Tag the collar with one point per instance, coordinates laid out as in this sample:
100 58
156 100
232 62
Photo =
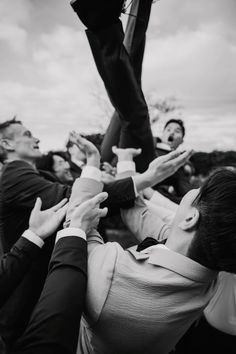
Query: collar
160 255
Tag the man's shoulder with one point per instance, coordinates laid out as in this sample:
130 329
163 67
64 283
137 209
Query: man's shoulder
15 171
16 165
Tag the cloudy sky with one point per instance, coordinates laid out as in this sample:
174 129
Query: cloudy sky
48 78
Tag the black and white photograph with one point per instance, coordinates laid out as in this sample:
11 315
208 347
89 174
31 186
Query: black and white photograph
117 177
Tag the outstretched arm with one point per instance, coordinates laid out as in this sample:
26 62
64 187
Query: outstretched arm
54 325
15 264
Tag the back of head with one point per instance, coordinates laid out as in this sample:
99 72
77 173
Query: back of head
4 127
6 133
214 244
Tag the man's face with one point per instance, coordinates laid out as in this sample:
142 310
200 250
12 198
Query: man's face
172 135
23 143
61 169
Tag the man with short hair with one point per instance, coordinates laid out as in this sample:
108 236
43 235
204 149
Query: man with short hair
173 134
177 185
146 300
21 184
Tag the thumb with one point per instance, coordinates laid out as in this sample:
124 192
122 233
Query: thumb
103 212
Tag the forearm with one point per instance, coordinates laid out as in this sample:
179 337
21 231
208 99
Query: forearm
14 265
54 325
143 223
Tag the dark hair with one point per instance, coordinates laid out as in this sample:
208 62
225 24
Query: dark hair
8 123
46 161
214 244
177 121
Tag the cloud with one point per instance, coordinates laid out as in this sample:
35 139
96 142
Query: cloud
14 36
48 76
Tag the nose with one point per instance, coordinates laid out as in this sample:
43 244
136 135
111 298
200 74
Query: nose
67 165
36 140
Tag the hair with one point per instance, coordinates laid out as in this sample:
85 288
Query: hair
46 161
177 121
7 124
214 244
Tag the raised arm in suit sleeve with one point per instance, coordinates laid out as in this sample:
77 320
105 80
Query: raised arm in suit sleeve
54 325
14 265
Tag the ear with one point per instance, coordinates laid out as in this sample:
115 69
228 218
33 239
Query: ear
6 144
190 221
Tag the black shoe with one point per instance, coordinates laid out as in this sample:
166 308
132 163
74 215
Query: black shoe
97 14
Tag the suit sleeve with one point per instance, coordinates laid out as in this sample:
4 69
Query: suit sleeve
22 185
121 194
54 324
14 265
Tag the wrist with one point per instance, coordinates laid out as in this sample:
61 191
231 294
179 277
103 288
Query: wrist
142 181
94 160
78 225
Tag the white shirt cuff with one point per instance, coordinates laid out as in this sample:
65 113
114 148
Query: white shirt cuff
71 231
135 188
124 166
32 237
92 173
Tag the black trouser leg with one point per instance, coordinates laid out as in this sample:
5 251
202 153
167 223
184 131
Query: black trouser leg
115 68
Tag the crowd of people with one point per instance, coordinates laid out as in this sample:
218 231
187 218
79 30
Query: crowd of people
64 288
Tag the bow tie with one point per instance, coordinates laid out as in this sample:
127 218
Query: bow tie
148 242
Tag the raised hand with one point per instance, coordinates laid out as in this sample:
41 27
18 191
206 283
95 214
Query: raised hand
126 154
161 168
45 222
164 166
87 215
88 148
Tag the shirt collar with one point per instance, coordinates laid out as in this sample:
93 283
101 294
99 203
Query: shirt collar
160 255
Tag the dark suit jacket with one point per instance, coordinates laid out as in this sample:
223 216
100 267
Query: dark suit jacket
21 184
54 324
14 265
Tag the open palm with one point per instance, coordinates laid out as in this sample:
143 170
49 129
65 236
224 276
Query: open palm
45 222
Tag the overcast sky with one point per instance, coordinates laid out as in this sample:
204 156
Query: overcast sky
49 80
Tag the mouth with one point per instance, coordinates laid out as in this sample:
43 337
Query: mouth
36 147
171 139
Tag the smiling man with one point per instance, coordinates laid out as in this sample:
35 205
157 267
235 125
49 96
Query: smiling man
21 184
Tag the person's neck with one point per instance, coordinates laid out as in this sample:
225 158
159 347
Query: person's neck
17 158
179 241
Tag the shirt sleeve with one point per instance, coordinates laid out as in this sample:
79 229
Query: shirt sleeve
92 173
32 237
71 231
